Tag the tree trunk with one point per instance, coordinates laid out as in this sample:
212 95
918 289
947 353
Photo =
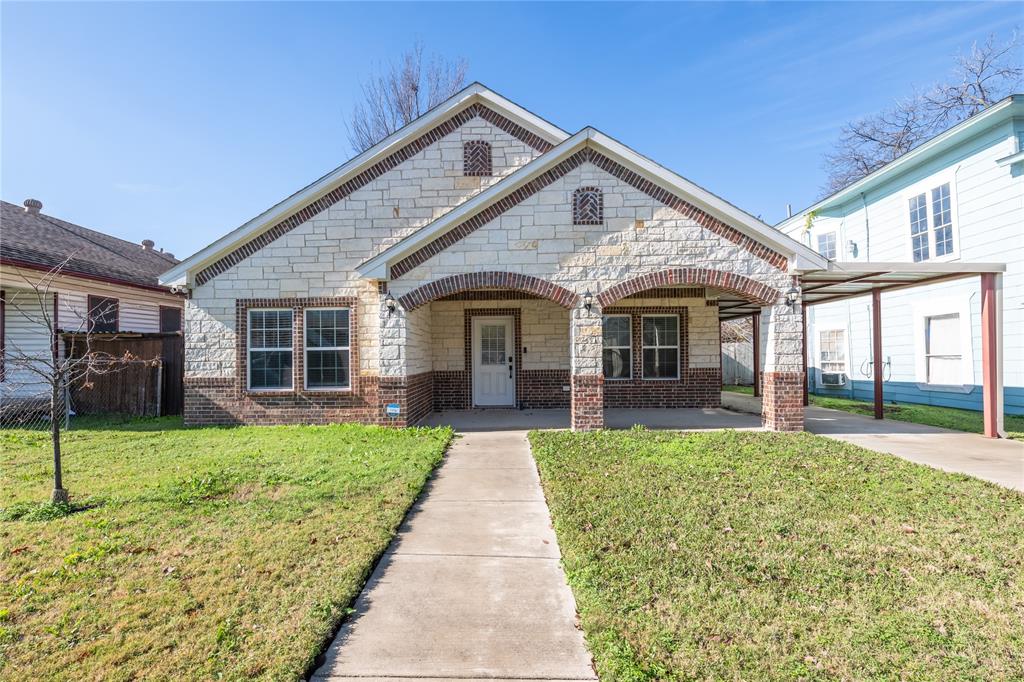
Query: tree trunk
59 496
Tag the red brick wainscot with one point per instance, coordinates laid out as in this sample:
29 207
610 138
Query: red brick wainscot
587 410
782 396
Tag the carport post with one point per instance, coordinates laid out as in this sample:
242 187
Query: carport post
803 353
876 347
755 324
991 355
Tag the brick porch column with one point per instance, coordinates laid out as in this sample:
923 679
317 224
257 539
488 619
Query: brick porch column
587 381
782 388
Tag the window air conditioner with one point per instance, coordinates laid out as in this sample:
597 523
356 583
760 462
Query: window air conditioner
833 379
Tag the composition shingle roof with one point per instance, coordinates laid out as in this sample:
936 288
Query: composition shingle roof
45 241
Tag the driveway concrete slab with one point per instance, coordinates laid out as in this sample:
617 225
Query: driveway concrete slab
472 586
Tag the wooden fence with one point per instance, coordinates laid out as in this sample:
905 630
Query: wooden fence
140 388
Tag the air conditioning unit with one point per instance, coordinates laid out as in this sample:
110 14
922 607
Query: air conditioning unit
833 379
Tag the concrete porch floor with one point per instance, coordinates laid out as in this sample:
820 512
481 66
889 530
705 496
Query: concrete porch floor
682 419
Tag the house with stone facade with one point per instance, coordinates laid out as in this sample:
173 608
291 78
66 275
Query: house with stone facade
483 257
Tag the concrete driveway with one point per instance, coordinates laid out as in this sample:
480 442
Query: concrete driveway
998 460
472 587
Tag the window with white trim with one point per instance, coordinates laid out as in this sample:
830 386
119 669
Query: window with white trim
943 355
832 350
931 224
660 337
270 349
618 347
328 349
827 245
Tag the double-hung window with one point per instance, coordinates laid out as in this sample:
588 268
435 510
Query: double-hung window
827 245
270 349
328 349
832 350
618 347
942 349
931 223
660 336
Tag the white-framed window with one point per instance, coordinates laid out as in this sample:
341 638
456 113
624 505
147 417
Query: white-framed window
827 245
832 350
932 228
270 349
660 337
327 341
618 346
943 354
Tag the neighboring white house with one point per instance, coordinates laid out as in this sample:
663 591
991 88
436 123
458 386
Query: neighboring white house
104 285
958 197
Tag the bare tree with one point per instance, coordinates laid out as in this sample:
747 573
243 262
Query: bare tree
37 377
981 78
401 93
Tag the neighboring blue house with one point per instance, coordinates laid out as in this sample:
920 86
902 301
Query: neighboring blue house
959 196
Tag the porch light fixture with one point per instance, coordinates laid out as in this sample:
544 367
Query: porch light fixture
588 300
389 301
792 295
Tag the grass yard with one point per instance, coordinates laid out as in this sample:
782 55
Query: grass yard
744 556
943 417
217 553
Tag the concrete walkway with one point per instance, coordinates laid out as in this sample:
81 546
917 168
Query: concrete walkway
471 588
998 460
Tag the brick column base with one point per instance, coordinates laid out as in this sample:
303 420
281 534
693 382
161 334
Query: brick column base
782 401
587 404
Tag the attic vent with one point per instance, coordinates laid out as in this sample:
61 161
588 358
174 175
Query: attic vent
33 206
148 244
476 158
587 206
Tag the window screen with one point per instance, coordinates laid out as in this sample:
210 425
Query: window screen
103 314
942 348
270 349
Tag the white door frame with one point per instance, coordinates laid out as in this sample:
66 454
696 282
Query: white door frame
508 371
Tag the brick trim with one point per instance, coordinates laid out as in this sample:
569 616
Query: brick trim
782 398
586 409
455 284
491 295
298 307
718 279
669 292
386 164
492 211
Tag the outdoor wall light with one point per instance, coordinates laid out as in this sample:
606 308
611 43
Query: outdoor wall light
588 300
389 301
792 295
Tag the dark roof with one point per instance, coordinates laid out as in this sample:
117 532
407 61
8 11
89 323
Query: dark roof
45 241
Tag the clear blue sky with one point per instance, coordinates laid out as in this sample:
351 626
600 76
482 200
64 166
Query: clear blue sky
178 122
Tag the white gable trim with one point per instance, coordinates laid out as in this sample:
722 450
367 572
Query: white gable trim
801 257
475 93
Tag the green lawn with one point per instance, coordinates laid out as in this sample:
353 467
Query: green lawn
217 553
745 556
944 417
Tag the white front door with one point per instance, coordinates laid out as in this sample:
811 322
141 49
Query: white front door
493 357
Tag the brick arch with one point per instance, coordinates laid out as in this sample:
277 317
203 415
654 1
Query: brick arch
456 284
745 287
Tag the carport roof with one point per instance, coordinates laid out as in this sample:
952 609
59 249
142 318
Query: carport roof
849 280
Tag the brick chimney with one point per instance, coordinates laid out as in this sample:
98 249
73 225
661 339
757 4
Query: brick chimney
33 206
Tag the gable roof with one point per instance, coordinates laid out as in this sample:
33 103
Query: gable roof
363 168
40 241
711 211
1005 109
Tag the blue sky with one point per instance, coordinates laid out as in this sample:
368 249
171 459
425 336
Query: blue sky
178 122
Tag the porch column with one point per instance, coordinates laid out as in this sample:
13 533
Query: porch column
876 351
587 380
991 354
782 406
755 321
392 356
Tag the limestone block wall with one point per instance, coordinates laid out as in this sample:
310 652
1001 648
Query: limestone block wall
319 257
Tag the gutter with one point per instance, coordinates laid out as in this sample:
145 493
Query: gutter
13 262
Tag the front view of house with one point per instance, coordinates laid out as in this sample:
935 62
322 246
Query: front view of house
482 257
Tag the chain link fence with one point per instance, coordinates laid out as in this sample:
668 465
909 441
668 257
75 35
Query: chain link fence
135 388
